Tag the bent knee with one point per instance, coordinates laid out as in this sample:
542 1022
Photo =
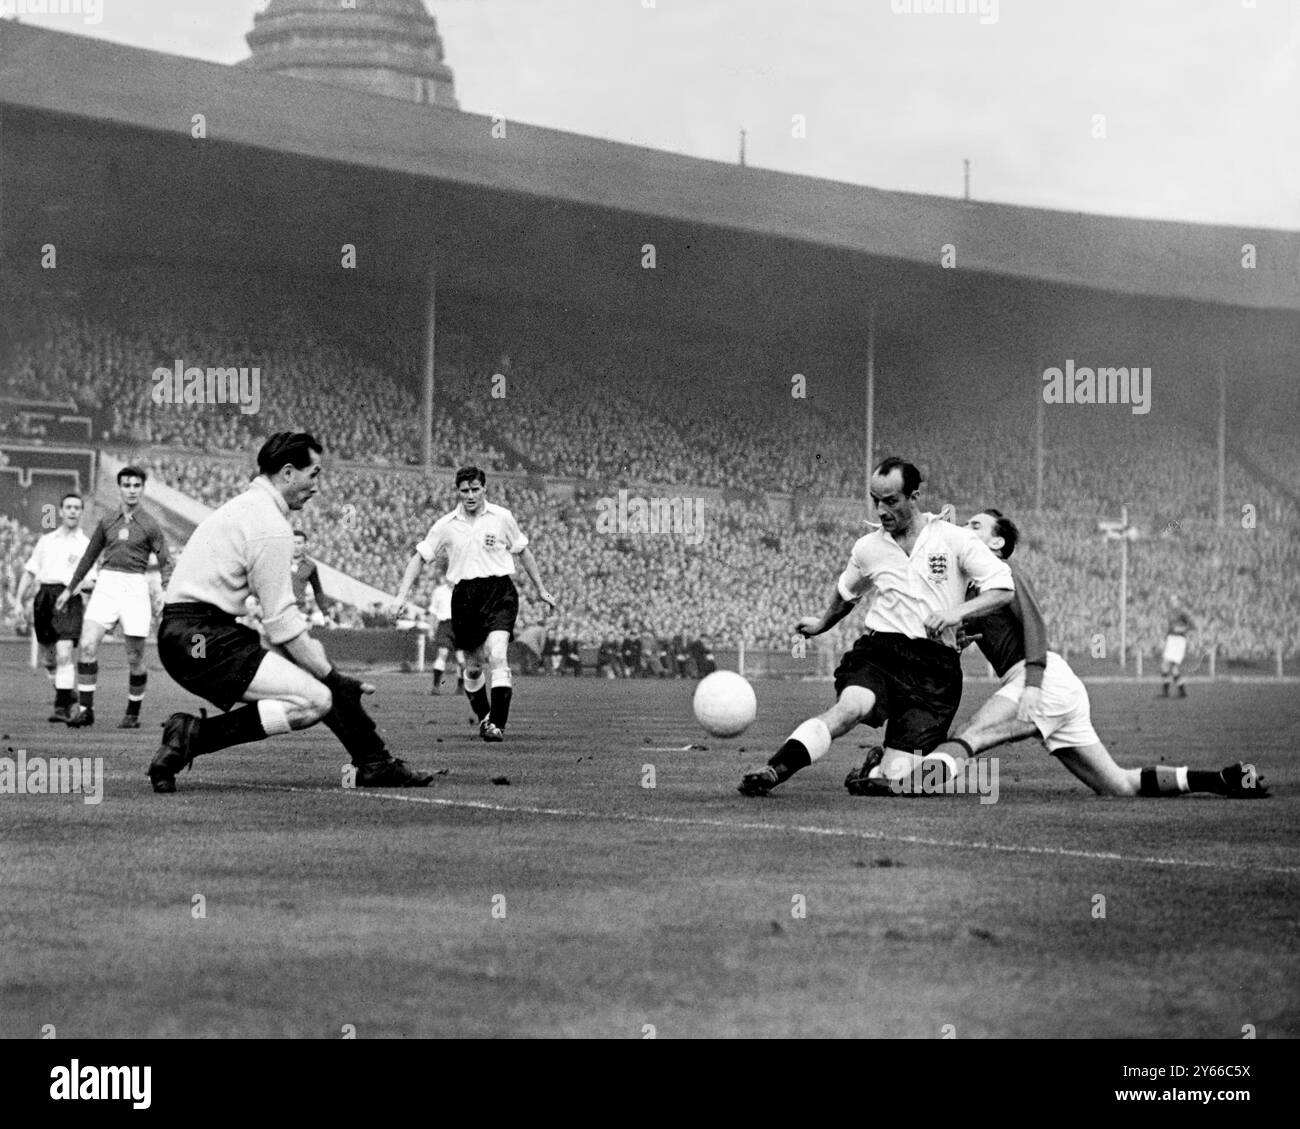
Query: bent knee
856 703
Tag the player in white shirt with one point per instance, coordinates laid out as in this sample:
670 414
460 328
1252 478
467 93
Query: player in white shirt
46 574
481 542
904 672
444 641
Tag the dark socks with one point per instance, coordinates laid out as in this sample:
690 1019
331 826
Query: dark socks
135 693
499 714
478 700
63 699
238 727
790 758
87 676
1204 780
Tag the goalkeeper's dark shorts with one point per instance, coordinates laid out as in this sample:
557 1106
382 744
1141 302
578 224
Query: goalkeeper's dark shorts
917 684
51 624
208 653
480 606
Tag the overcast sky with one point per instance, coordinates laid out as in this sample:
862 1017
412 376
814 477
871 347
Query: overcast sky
1201 98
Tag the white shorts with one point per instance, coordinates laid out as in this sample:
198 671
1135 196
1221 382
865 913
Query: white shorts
1064 715
124 596
1175 649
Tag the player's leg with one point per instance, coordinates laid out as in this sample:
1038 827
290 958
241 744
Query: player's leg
65 679
501 682
439 670
1094 765
92 634
1179 688
995 723
137 679
474 674
811 740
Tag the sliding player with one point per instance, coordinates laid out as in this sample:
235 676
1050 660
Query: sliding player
238 558
904 670
46 574
1041 696
125 538
480 541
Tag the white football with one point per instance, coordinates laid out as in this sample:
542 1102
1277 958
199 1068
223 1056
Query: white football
725 704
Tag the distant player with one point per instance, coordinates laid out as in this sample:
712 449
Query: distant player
306 577
239 556
481 542
1042 697
904 671
1171 663
125 539
46 574
444 642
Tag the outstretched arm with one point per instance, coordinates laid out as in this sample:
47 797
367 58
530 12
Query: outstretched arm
529 564
409 577
839 607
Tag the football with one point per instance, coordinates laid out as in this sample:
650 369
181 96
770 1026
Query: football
725 704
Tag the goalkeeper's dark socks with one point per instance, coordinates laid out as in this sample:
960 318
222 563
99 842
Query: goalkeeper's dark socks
87 676
1166 780
238 727
63 699
135 693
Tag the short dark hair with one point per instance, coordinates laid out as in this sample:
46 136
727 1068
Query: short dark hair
911 476
131 472
300 533
71 495
291 447
1005 528
470 474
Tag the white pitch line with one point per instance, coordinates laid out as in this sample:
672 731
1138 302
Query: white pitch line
795 828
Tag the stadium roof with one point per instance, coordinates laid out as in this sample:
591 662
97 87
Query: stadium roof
96 145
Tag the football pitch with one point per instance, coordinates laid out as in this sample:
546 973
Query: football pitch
264 899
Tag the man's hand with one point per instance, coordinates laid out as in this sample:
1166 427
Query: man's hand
23 622
964 640
809 625
1029 700
938 622
62 601
546 598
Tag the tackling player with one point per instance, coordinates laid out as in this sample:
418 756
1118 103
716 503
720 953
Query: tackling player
1041 696
904 670
1171 664
481 541
125 538
47 573
239 555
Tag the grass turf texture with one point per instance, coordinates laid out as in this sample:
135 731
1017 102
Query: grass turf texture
627 906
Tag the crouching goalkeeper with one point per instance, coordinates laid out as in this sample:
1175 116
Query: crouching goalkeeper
240 554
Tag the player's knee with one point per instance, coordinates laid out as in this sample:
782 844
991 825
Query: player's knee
319 702
856 703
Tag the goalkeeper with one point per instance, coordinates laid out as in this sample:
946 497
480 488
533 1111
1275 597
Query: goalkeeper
240 556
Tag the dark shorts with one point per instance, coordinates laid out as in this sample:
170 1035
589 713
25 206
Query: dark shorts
208 653
482 605
51 625
917 684
443 636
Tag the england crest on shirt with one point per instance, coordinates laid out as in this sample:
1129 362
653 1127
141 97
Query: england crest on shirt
938 566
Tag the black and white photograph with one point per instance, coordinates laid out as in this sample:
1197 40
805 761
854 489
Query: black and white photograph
650 519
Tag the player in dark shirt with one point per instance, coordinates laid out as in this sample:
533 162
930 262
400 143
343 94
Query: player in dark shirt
125 538
306 575
1171 662
1041 696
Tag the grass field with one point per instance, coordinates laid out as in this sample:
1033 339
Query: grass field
625 906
